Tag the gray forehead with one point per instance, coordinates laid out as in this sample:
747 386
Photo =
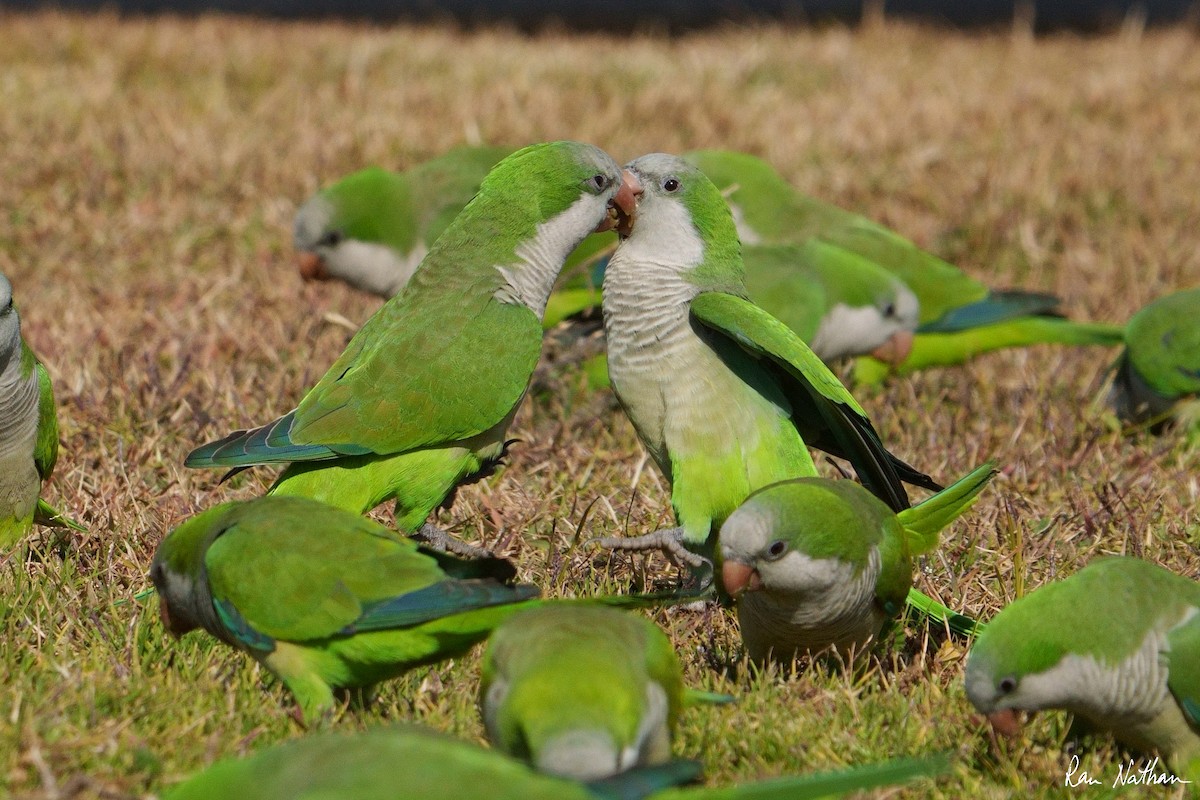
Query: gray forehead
311 221
661 165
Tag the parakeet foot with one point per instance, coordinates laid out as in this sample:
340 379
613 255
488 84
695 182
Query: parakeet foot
668 540
436 538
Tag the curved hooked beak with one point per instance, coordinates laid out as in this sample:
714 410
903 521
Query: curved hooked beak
738 578
896 349
623 207
165 615
1005 722
311 266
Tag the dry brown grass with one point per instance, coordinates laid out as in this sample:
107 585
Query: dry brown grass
150 170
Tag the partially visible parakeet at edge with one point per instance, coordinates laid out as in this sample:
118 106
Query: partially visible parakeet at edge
816 564
959 316
583 692
410 763
28 431
1157 379
725 397
1117 644
421 399
372 228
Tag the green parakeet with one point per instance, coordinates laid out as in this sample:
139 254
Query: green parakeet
1117 644
28 431
960 316
815 564
583 692
421 399
723 395
325 598
1158 374
409 763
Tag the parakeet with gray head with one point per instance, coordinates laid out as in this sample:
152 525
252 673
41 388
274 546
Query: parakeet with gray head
324 598
817 565
28 431
1157 378
410 763
1117 644
724 396
582 692
421 399
959 316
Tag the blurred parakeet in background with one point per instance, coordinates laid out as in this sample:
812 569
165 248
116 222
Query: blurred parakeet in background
1158 374
28 431
410 763
815 564
723 395
421 399
323 597
1117 644
582 692
959 316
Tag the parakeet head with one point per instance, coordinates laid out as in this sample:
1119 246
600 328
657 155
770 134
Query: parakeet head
359 230
10 326
879 319
178 570
801 537
682 214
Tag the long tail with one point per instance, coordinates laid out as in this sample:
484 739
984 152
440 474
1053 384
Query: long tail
999 306
925 520
269 444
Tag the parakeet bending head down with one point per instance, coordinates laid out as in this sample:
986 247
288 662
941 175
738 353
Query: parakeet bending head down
324 598
817 564
581 691
1116 644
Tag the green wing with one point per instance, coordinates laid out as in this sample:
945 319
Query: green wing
924 521
1183 668
45 453
824 412
1164 344
298 571
780 281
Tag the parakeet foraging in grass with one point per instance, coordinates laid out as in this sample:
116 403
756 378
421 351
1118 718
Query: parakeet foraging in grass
959 316
28 431
410 763
324 598
1117 644
372 228
582 692
815 564
421 399
724 396
1158 375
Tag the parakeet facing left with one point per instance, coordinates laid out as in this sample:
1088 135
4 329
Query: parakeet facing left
325 598
582 692
815 564
1117 644
1158 374
421 399
410 763
724 396
28 431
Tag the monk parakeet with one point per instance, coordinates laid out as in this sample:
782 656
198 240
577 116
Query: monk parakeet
422 397
959 315
841 304
815 564
1158 375
325 598
373 227
28 431
537 707
1117 644
723 395
410 763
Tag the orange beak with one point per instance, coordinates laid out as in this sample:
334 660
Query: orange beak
895 349
311 266
165 616
738 578
624 206
1005 722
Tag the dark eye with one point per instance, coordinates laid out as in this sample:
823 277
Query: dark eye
670 185
777 549
601 181
1006 685
889 310
330 239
